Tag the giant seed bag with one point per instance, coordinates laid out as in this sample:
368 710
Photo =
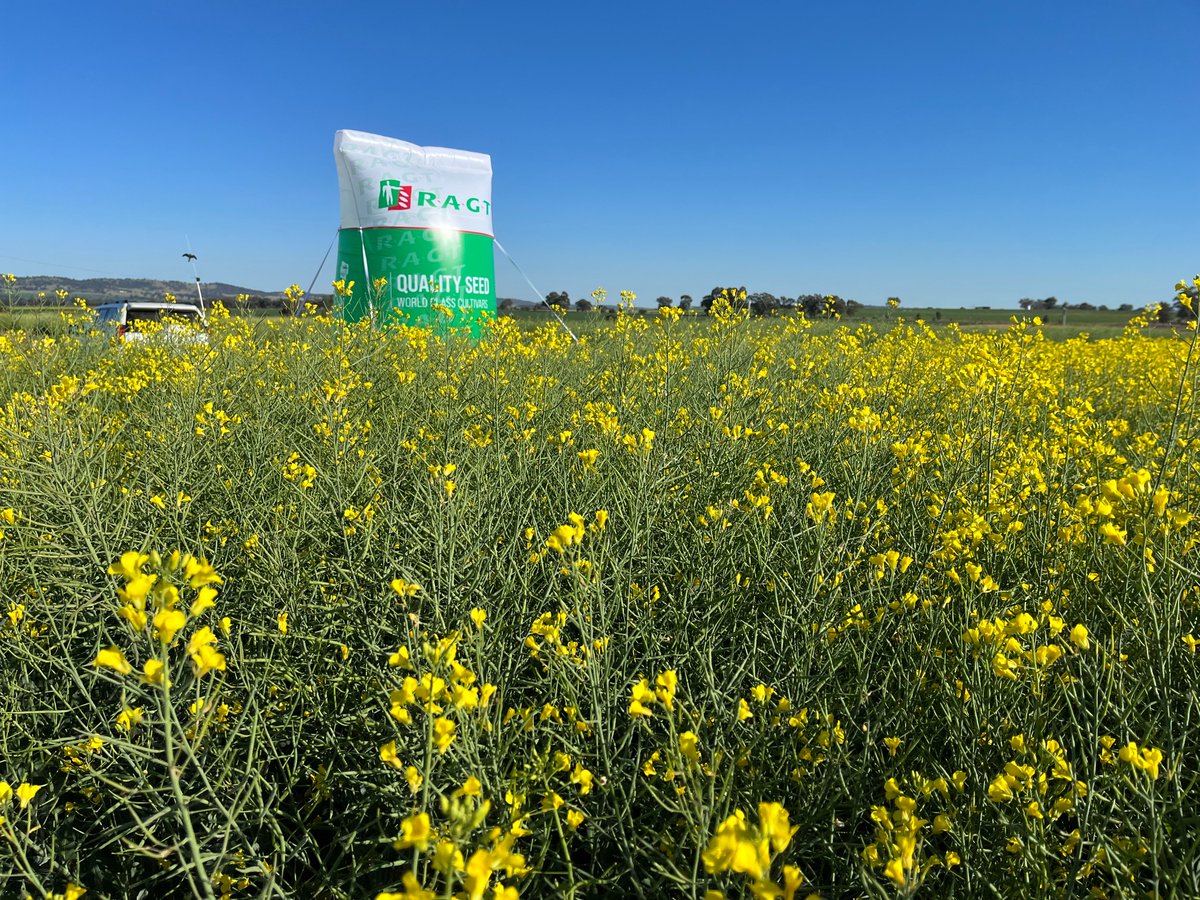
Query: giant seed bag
420 219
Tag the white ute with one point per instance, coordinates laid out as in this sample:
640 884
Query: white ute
181 322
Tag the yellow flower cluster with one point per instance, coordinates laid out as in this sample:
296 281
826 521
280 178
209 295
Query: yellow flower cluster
1144 759
440 686
571 534
299 472
448 849
742 847
1011 658
152 585
545 641
642 697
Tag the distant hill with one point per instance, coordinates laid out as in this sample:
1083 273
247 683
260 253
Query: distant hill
42 290
110 290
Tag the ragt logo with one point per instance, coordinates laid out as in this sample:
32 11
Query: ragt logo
394 195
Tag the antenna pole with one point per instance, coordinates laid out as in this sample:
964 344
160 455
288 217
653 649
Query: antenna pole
192 256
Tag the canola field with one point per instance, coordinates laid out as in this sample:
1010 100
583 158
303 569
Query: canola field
704 607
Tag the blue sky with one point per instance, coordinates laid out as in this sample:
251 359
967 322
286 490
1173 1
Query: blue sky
948 153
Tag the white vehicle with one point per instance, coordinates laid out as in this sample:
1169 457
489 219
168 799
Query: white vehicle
136 320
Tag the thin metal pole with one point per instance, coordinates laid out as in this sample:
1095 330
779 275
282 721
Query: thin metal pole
500 247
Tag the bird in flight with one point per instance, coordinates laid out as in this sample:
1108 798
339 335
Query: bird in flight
191 256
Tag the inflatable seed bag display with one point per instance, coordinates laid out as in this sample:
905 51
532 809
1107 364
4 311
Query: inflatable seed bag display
416 232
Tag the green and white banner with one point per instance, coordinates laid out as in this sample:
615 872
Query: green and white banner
416 232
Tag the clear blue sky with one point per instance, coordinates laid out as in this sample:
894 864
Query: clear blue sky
950 153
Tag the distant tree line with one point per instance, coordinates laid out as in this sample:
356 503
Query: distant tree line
762 303
1174 309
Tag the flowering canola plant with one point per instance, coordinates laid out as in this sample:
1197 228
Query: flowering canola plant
700 606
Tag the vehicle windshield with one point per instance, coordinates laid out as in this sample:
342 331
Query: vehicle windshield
157 315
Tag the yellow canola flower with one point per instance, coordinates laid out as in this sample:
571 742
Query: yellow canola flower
166 596
478 874
200 638
1079 636
689 747
199 573
639 698
895 871
167 623
999 790
281 622
130 565
414 778
6 793
26 793
447 858
666 684
137 589
128 719
736 847
404 588
1146 760
470 788
443 734
583 779
415 831
400 699
478 616
207 658
154 672
205 599
793 879
388 754
401 660
412 887
113 658
776 825
464 697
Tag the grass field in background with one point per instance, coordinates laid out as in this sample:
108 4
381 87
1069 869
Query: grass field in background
1098 322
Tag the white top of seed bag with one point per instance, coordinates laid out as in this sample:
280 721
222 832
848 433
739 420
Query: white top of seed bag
388 183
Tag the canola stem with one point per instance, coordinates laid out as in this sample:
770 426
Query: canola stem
180 801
